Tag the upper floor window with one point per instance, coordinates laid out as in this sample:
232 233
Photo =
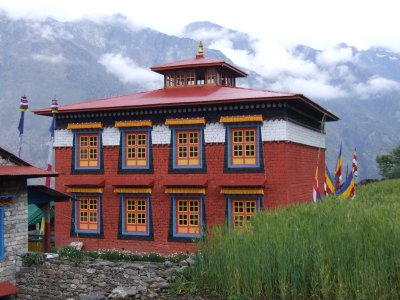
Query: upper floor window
244 147
180 78
170 79
87 150
187 148
190 77
211 76
136 149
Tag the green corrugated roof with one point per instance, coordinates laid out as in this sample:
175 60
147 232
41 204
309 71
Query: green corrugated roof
35 214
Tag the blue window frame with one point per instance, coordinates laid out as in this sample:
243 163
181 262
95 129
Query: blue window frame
87 214
87 150
243 145
135 215
136 150
2 246
187 148
187 216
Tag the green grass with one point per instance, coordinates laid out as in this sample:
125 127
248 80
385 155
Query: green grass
337 249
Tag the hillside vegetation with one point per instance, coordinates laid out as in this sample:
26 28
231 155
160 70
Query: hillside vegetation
337 249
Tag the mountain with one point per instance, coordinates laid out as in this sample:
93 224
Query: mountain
82 60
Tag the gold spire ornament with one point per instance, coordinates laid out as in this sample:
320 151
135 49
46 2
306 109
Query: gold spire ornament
200 50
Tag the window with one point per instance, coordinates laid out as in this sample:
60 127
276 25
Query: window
180 78
1 233
244 147
170 79
190 77
136 149
241 210
187 216
87 151
187 145
135 215
87 214
211 76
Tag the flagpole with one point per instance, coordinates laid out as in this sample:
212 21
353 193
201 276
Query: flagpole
23 107
54 110
316 193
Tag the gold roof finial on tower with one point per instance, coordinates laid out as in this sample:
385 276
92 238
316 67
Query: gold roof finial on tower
200 50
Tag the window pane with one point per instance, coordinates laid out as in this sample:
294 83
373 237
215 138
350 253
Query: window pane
250 150
194 220
83 154
141 139
250 135
182 152
194 206
141 204
237 136
182 138
182 205
93 141
131 140
93 153
83 141
182 220
131 219
141 218
194 138
237 150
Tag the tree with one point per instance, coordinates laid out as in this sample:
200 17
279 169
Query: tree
389 165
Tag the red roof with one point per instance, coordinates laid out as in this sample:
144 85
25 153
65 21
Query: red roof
196 63
25 171
183 96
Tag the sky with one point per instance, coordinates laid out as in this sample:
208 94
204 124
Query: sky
317 23
275 27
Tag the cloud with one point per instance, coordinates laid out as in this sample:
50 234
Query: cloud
51 59
375 85
335 55
313 88
128 71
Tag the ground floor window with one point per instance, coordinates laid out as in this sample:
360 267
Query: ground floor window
87 214
187 216
241 210
135 215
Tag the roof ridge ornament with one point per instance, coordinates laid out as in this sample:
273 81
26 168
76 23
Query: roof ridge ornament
200 50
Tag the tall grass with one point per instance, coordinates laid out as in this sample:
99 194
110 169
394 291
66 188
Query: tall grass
337 249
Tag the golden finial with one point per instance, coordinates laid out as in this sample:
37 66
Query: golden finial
200 50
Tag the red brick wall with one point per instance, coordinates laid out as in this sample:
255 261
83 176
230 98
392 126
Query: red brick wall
289 173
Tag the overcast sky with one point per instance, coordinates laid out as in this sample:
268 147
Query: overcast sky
316 23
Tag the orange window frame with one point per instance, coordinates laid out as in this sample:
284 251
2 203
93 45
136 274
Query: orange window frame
242 210
136 215
136 149
88 214
88 150
188 214
243 147
188 148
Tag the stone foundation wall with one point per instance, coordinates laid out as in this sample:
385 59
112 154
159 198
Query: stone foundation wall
96 279
15 228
